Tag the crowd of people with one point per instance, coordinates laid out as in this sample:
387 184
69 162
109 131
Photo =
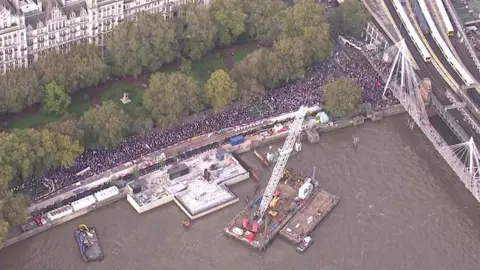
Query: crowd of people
305 91
474 37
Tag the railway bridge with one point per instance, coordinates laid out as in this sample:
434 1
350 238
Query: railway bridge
395 68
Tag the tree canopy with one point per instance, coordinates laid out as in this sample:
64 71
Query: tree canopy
19 89
148 43
306 20
349 17
199 31
171 96
29 151
82 67
229 17
265 20
68 127
55 99
13 211
106 125
288 60
220 89
341 97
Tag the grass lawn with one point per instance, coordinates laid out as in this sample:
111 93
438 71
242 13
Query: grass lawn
240 54
79 105
201 69
36 119
115 93
33 119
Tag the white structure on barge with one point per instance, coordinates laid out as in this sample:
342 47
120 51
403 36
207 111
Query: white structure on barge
199 185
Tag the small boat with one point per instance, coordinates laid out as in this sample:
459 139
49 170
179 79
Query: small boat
306 242
88 243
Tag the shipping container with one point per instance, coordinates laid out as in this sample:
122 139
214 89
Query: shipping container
83 203
59 212
106 193
237 140
178 171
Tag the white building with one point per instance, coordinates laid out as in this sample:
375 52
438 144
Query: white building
31 28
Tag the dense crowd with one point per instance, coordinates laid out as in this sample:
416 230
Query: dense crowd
474 37
305 91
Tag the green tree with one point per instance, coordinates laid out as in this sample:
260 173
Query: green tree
14 208
89 69
106 125
265 20
229 18
348 18
199 32
29 151
220 89
287 61
185 66
148 43
170 97
341 97
142 125
82 67
252 75
306 20
4 226
68 127
55 99
19 89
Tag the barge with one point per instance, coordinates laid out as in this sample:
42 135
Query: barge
88 243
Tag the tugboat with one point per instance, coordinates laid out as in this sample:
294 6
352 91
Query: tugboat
88 243
305 244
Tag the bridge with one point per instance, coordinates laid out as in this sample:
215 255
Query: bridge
396 69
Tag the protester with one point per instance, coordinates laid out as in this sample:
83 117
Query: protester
305 91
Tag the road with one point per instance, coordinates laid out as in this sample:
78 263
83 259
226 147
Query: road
427 70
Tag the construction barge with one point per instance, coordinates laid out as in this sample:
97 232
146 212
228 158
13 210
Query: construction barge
311 214
292 195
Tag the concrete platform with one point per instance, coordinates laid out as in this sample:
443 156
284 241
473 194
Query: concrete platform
192 192
305 221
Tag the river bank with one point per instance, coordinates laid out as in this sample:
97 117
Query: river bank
356 121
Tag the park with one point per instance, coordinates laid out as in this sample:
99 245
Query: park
135 87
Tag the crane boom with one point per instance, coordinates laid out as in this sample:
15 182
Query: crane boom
294 130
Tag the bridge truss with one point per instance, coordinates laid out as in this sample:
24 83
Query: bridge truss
401 80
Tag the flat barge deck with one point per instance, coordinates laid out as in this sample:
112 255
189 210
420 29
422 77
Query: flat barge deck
246 227
309 216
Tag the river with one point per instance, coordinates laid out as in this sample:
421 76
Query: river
401 207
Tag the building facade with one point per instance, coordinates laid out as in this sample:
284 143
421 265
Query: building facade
30 29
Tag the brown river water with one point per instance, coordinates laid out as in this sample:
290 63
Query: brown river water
401 207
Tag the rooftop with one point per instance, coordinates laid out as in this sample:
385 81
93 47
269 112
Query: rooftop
192 190
202 196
